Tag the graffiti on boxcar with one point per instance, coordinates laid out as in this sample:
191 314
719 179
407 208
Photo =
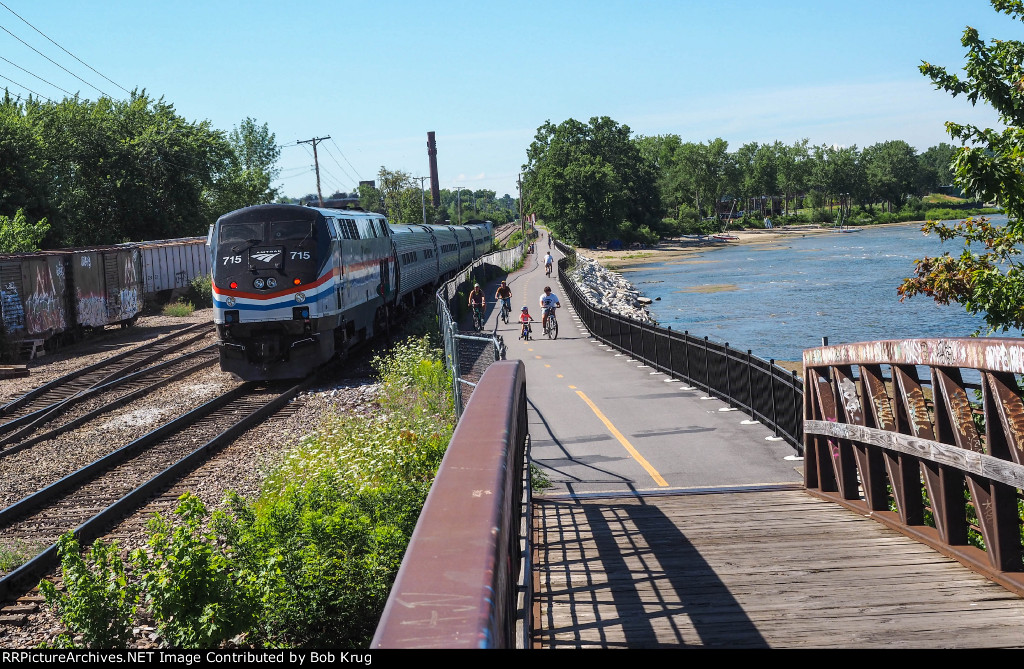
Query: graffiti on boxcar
129 299
44 308
92 309
11 312
130 304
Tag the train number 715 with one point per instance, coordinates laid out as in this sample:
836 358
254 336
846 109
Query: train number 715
300 255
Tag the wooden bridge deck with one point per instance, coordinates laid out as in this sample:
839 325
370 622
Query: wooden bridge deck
774 568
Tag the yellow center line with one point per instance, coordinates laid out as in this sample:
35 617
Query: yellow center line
625 443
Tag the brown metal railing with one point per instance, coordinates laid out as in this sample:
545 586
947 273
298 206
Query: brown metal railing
458 583
927 436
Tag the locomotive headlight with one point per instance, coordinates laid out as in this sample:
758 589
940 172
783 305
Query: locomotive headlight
271 282
258 283
300 297
230 301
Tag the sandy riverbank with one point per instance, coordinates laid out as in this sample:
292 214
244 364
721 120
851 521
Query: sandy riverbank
680 247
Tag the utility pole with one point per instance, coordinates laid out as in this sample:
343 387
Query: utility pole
423 198
319 195
458 202
522 222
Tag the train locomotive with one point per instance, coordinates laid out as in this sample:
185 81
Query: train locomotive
293 285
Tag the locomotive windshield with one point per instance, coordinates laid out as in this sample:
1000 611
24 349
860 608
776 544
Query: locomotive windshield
241 232
280 230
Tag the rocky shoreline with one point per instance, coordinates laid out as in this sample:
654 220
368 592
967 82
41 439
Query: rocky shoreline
608 290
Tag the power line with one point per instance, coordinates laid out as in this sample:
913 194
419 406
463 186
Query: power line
36 76
338 164
346 159
38 95
65 50
52 60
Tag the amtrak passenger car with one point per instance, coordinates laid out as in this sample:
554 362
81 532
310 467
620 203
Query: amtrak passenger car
293 285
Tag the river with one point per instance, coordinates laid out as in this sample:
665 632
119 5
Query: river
780 298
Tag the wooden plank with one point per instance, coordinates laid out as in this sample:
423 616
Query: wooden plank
764 569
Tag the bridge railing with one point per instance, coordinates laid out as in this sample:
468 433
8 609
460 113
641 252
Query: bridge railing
927 436
759 388
458 583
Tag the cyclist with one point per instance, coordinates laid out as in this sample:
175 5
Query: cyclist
548 302
476 304
548 261
549 240
525 318
504 294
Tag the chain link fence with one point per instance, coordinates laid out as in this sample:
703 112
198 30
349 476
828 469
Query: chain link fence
468 355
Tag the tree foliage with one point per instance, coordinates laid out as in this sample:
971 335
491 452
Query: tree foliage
17 235
250 168
986 277
109 171
590 181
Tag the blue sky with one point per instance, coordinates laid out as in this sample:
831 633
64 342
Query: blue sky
376 76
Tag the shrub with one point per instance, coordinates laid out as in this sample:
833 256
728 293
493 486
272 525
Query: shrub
179 309
200 292
98 602
195 591
821 216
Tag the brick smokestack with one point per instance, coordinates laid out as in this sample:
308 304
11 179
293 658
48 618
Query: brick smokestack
435 187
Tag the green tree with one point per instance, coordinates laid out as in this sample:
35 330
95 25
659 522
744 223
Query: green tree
248 171
17 235
935 167
891 171
590 181
124 170
794 169
987 277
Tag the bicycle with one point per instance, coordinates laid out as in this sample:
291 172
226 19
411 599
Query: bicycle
551 326
547 269
527 331
478 317
505 311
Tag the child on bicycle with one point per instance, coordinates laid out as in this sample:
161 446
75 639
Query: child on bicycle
524 319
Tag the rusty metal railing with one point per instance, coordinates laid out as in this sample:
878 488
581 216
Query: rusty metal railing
927 436
458 584
759 388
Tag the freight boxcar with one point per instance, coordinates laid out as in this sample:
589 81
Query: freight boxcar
169 266
53 295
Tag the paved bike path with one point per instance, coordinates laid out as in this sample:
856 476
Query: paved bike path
601 422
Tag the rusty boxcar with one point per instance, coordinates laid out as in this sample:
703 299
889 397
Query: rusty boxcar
53 296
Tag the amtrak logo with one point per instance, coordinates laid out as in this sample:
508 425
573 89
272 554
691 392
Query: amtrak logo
266 256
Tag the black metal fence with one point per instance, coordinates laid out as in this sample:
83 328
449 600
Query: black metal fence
759 388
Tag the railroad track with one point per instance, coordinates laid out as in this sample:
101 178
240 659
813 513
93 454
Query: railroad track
92 499
23 432
502 234
105 371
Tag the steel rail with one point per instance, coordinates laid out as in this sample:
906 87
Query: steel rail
28 422
67 378
28 575
109 406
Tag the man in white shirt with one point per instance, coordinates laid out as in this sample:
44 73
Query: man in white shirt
548 302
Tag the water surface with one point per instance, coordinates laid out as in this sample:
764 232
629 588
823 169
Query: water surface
780 298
